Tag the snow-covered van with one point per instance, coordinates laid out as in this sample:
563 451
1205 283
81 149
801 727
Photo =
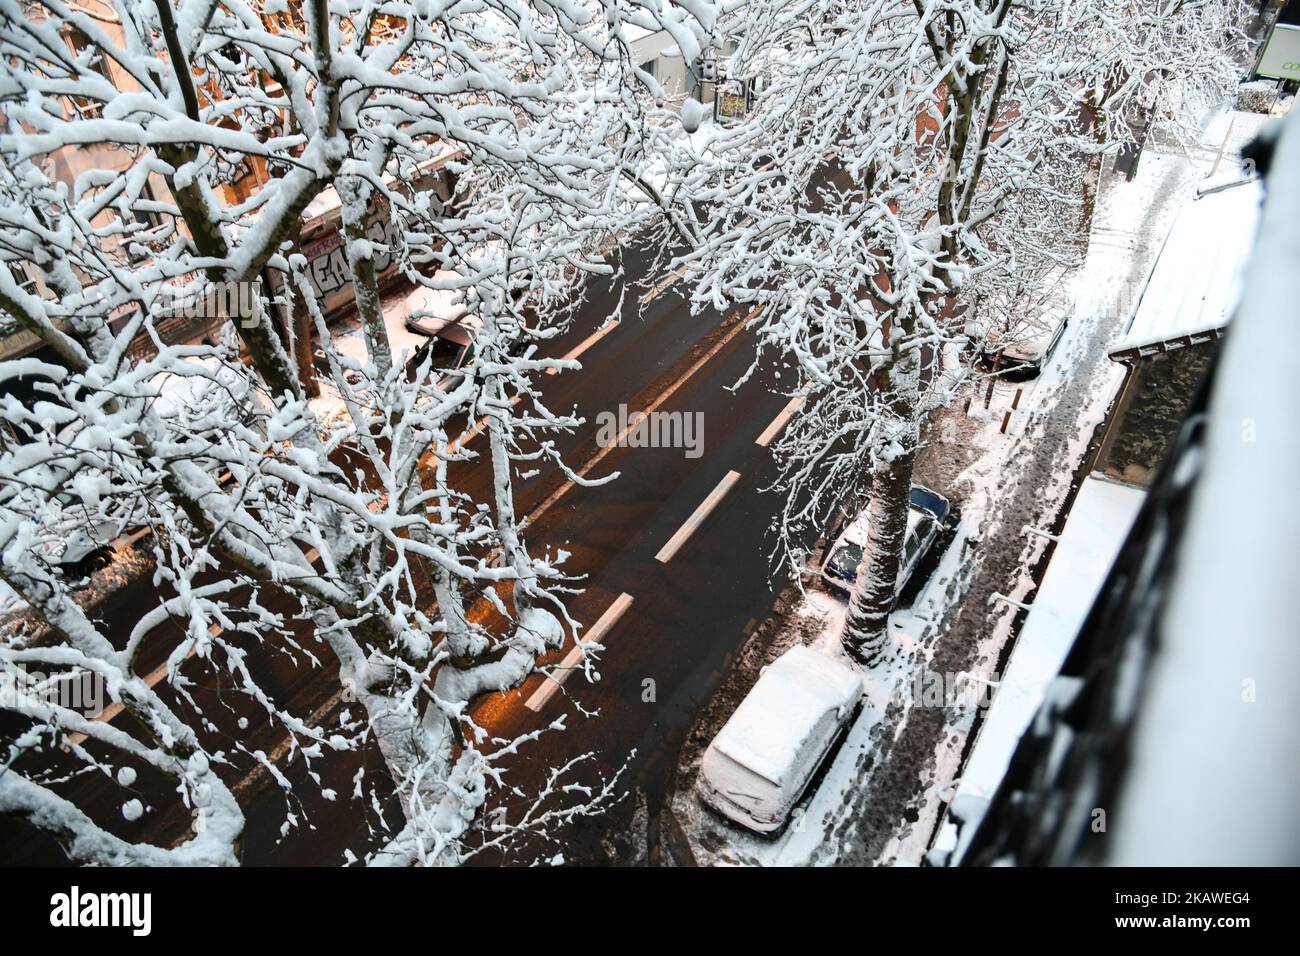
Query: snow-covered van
761 762
926 512
73 539
202 396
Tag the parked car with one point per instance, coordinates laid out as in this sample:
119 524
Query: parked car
761 763
204 396
926 512
1021 352
72 541
448 327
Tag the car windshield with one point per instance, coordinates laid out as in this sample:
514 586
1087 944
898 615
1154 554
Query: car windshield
915 537
446 354
926 501
844 562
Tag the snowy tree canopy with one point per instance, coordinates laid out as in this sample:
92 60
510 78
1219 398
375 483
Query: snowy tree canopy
907 175
154 152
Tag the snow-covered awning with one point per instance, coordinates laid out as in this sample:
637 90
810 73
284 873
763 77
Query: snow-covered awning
1100 520
1213 771
1196 280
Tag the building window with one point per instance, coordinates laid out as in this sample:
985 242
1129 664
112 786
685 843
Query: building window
78 42
651 67
23 280
732 101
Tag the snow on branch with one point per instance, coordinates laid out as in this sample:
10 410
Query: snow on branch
160 157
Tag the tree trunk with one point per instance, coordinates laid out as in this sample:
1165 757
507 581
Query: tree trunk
898 389
866 632
355 194
304 347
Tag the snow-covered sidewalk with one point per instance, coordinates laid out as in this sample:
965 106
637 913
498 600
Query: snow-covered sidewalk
882 798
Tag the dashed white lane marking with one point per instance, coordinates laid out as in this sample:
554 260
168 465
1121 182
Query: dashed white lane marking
566 667
772 430
695 520
586 343
155 676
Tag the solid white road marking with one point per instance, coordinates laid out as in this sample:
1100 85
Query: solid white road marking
477 430
695 520
772 430
122 544
671 279
556 678
586 343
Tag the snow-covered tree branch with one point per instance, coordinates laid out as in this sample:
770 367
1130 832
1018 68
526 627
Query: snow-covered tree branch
903 167
222 126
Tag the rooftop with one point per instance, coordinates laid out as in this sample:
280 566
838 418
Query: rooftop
1196 279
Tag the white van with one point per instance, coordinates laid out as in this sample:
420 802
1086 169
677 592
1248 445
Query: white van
763 759
73 539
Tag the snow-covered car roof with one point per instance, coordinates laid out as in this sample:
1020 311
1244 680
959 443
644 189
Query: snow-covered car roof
179 392
404 336
437 311
767 732
327 203
1031 336
856 533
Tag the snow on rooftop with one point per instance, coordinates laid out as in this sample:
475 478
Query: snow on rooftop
1101 517
1195 282
768 729
634 32
327 202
